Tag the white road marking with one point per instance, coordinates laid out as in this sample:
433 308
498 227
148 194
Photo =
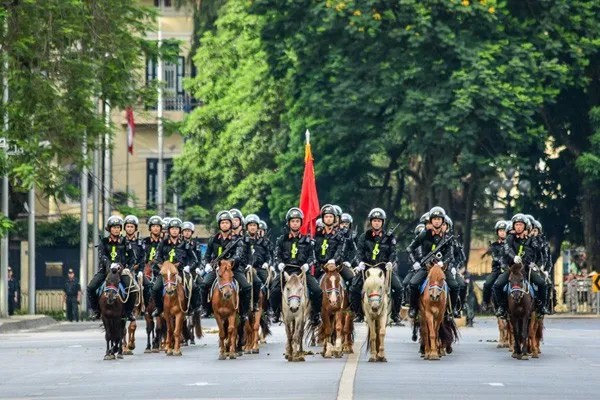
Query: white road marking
201 384
496 384
346 387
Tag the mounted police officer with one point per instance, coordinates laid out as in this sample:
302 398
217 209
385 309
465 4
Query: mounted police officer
349 249
429 240
111 250
518 250
257 256
237 223
411 272
150 246
496 250
294 252
460 262
377 249
179 252
165 227
547 266
187 232
328 241
225 245
135 249
338 215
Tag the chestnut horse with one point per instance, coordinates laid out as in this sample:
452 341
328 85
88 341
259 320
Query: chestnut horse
176 304
256 321
336 322
432 307
111 309
520 307
536 334
376 307
225 305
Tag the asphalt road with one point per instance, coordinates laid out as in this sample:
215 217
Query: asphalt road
66 361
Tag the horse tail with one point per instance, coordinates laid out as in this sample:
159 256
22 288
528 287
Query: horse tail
309 330
368 346
448 331
415 330
265 325
197 325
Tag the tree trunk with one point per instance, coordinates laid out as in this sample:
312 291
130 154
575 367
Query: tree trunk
469 200
591 223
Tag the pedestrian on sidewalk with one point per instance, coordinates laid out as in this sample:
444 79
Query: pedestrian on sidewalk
13 291
72 296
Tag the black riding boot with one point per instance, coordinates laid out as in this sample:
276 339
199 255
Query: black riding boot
93 304
129 306
414 303
396 307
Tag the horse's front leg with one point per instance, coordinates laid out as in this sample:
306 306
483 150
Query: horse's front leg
432 338
289 350
326 335
298 336
256 336
516 337
222 336
373 339
524 338
170 328
381 332
177 333
339 333
232 333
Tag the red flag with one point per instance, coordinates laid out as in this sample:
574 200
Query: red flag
130 129
309 200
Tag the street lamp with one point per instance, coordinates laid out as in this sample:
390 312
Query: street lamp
509 181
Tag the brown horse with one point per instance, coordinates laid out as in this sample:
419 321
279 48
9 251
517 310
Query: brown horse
111 309
225 305
257 321
536 334
175 306
136 292
334 315
504 334
432 307
520 307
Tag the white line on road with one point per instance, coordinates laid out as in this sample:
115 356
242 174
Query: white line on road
496 384
200 384
346 387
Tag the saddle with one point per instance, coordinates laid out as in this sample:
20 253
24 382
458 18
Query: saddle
532 288
426 281
103 287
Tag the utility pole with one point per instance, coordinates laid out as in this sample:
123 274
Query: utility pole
31 249
107 163
96 204
83 229
160 200
4 241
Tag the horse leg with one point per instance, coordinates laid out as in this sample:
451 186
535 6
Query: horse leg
248 329
525 337
132 329
433 337
256 329
288 348
232 330
170 328
516 337
381 337
179 326
373 340
325 335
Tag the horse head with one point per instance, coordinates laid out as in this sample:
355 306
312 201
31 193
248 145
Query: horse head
170 277
225 280
332 287
294 291
374 288
516 282
111 287
437 281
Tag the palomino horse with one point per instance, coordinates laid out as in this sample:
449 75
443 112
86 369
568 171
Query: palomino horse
520 307
257 321
334 325
225 305
432 307
176 304
134 290
295 309
111 309
376 307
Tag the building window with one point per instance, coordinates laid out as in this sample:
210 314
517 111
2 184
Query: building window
174 97
152 180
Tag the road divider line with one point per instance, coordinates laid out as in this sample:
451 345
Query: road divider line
346 387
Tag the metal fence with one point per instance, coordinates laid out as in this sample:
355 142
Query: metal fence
579 297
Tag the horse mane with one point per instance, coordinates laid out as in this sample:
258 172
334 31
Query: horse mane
516 269
226 263
373 279
436 273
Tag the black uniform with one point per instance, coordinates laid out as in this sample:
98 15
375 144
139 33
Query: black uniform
522 247
180 253
13 288
150 246
428 241
295 250
460 260
109 251
375 248
72 289
256 251
332 246
219 246
406 282
496 250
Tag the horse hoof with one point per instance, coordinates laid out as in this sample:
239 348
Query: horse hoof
338 354
515 355
132 347
535 356
372 359
381 359
449 350
177 353
524 357
222 357
128 352
248 352
120 356
184 344
232 356
499 346
192 342
147 351
108 357
327 356
299 359
255 351
155 351
169 352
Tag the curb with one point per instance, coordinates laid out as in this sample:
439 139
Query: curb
33 323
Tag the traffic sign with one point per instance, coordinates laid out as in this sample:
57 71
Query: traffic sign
596 283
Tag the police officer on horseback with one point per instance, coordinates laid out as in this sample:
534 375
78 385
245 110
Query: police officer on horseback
225 245
237 222
294 252
428 241
375 248
111 250
460 262
496 250
179 252
518 250
411 272
256 256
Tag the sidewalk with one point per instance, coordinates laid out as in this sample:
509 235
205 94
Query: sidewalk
19 322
